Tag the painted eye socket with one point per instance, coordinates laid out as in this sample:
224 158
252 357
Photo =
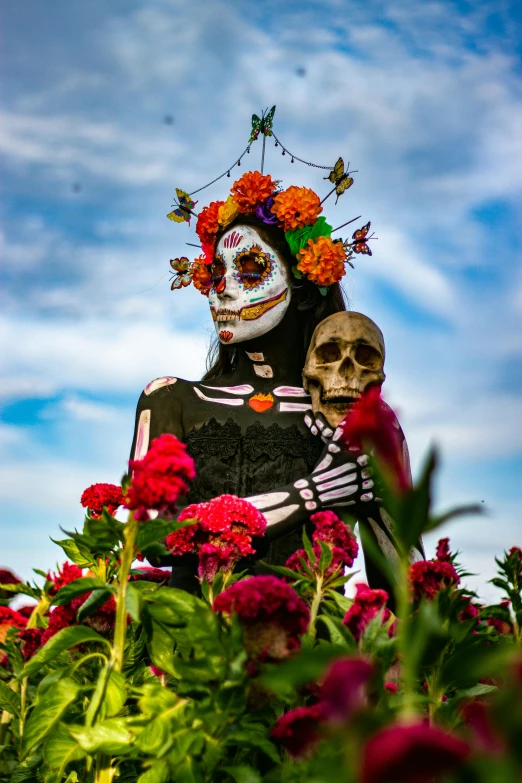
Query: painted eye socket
217 272
253 266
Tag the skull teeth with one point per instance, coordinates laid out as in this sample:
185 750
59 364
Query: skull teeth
227 315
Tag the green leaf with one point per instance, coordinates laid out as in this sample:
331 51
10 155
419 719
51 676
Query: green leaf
243 774
9 699
73 590
96 599
26 772
253 736
342 601
339 633
133 602
298 238
460 511
161 649
47 712
112 736
308 548
157 530
158 773
63 640
304 668
79 554
325 558
60 748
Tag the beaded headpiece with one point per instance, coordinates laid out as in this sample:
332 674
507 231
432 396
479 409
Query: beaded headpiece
297 210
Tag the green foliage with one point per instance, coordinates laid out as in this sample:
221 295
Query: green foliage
174 693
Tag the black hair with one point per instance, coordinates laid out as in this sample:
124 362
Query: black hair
310 305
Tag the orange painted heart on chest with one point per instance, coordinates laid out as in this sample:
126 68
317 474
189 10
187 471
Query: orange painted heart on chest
261 402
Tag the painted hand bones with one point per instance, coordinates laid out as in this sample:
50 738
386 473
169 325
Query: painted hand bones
340 478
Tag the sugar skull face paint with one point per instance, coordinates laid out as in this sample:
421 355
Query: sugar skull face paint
250 286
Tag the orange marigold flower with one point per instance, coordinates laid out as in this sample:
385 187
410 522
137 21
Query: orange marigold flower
322 261
207 224
297 207
251 189
201 275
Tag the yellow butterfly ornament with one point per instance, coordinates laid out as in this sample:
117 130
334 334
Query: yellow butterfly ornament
340 178
185 205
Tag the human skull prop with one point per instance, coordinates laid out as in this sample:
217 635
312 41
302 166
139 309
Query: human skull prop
345 357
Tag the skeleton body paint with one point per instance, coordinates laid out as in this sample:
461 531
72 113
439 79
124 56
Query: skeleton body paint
250 290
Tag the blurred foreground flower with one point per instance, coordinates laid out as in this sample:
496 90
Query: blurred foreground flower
161 477
343 691
417 753
298 730
372 422
9 619
272 615
7 577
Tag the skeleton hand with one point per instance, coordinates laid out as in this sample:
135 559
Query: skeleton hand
340 478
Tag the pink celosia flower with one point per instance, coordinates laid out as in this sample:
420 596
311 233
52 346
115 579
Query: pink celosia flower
332 531
10 619
371 422
161 477
150 574
226 523
298 729
429 577
31 642
477 717
271 613
100 496
412 753
69 572
343 691
443 553
366 605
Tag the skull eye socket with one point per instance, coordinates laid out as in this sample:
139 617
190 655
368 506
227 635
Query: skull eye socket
328 352
368 357
217 272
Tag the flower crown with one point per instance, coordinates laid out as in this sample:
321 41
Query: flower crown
296 210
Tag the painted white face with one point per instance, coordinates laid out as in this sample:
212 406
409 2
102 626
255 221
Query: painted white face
250 286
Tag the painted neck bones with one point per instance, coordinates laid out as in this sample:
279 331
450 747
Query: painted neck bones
250 286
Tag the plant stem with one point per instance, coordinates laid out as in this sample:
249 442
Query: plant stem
404 624
314 609
127 557
104 771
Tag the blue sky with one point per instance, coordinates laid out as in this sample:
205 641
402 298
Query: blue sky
424 99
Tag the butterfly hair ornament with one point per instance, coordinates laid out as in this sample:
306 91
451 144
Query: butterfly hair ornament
296 210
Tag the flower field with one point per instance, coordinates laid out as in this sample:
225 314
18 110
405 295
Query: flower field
277 677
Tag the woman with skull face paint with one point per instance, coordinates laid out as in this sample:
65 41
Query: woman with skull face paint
243 423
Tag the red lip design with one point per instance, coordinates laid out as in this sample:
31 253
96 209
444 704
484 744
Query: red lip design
225 336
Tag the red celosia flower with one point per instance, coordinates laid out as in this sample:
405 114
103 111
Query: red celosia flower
391 687
8 578
150 574
415 753
271 613
366 605
371 422
298 729
207 224
226 523
104 618
26 610
443 551
332 531
10 619
470 611
161 476
343 691
60 617
99 496
31 642
212 559
476 715
429 577
252 189
69 572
